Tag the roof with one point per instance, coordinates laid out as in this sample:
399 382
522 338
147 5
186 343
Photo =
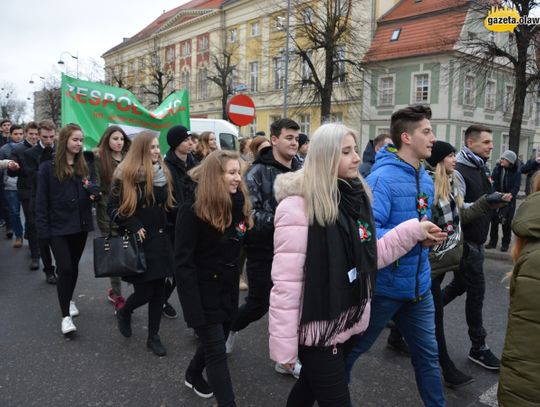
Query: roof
167 17
422 27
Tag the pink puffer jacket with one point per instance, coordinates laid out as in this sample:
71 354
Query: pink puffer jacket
290 244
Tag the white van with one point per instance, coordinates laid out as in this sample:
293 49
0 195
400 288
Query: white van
226 133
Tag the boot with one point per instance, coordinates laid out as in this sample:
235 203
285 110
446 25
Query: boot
124 322
454 378
154 344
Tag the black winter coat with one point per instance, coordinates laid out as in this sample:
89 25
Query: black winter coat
24 180
157 246
30 164
506 181
260 182
64 208
206 268
529 168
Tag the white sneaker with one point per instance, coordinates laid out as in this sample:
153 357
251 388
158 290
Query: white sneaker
73 310
229 345
295 371
68 325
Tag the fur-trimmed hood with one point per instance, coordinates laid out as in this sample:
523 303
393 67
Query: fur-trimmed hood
288 184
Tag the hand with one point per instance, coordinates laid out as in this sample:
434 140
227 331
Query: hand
142 234
434 234
507 197
13 166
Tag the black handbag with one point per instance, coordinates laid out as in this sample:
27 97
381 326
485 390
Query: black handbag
118 256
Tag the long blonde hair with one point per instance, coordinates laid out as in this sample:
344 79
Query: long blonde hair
203 147
213 202
135 168
62 169
443 185
320 178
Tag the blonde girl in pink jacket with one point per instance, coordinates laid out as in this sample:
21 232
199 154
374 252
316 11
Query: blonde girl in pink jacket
325 258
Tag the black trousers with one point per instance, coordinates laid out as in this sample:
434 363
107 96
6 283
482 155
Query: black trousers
470 279
67 252
30 227
46 256
322 378
258 298
210 355
153 294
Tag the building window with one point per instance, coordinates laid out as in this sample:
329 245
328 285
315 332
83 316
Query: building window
233 77
468 90
304 120
275 118
279 23
254 76
395 34
279 74
255 29
386 91
491 88
170 54
203 83
336 117
421 88
307 73
233 36
184 78
185 48
508 99
202 43
252 128
339 67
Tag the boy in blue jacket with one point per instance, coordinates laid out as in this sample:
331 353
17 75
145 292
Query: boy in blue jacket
403 190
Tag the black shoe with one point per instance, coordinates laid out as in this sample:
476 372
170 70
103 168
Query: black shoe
34 264
396 342
504 248
9 234
169 311
485 358
491 245
154 344
50 278
124 322
199 385
454 378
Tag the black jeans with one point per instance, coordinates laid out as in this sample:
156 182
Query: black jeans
258 298
494 231
30 227
444 357
322 378
46 256
67 252
170 285
210 355
470 279
151 293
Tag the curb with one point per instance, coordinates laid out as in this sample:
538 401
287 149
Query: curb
496 254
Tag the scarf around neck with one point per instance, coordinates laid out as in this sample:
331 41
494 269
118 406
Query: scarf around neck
478 161
159 175
340 268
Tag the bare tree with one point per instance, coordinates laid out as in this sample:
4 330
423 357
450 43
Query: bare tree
159 74
222 72
47 102
517 55
10 106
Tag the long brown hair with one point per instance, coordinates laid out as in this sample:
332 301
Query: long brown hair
203 147
521 242
135 168
62 169
213 202
104 152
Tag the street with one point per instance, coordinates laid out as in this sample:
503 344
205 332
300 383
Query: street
99 367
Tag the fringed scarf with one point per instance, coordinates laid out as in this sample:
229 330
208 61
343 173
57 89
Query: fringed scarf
340 268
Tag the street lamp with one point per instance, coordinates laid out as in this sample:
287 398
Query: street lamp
287 32
31 81
61 62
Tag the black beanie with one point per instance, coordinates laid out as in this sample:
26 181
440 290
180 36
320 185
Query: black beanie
302 139
439 152
177 135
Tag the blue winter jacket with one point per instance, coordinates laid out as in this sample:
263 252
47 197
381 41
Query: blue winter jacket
400 193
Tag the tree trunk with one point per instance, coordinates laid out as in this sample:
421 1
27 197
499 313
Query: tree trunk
519 99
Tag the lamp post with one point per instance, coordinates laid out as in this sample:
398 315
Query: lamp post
31 81
61 62
287 33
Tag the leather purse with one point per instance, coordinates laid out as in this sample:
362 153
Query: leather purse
118 256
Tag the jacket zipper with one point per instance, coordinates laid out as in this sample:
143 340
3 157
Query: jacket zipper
417 282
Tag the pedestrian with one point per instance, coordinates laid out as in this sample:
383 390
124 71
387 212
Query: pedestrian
259 243
245 151
303 146
506 178
207 144
64 214
141 195
31 159
530 167
258 143
519 381
325 261
372 147
110 151
402 190
179 161
474 181
209 235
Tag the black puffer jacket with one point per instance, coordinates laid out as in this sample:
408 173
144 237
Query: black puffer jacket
260 182
24 180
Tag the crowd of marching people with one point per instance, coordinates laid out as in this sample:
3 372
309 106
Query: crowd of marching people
334 248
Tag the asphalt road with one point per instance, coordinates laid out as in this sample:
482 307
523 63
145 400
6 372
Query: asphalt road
99 367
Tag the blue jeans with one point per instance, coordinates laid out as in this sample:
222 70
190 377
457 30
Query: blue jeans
14 212
416 322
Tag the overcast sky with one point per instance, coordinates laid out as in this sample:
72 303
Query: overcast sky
34 33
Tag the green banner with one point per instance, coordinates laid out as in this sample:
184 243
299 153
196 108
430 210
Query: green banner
95 106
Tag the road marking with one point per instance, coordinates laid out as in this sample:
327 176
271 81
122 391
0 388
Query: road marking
489 397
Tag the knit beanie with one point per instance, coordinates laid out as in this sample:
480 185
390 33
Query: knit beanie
176 135
302 139
439 152
510 156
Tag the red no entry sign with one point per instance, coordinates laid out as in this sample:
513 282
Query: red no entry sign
241 110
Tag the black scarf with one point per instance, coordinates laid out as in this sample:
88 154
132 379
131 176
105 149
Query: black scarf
334 296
